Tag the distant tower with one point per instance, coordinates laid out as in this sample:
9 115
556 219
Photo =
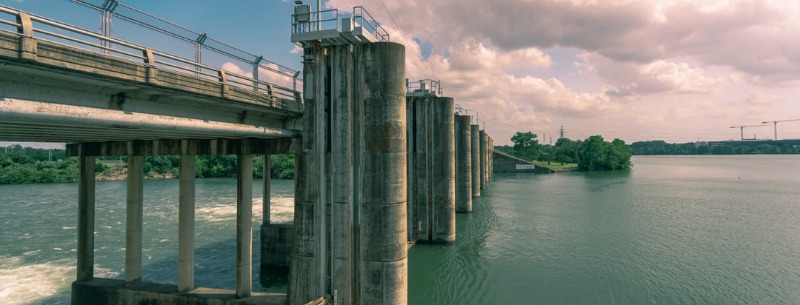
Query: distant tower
561 132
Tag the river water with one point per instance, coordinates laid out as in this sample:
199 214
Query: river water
674 230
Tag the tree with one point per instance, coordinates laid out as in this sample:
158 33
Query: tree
597 154
524 141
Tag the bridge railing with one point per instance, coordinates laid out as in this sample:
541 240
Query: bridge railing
284 93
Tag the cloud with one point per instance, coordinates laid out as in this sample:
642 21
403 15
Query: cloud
640 65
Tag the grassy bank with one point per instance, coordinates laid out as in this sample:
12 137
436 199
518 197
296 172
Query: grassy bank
556 167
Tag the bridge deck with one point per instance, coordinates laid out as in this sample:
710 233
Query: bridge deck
51 92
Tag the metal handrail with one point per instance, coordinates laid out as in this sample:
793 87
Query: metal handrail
315 18
425 86
117 47
369 23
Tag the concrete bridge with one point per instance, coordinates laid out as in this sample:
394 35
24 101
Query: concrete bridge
381 162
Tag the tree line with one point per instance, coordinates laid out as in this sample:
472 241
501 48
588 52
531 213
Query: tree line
31 165
659 147
591 154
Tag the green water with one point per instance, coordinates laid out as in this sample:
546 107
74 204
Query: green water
674 230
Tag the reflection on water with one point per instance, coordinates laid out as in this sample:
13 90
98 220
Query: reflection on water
673 230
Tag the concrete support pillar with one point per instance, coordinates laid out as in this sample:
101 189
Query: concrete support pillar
133 220
86 187
267 195
419 112
444 171
483 146
304 271
475 142
341 159
244 226
490 159
463 163
186 213
384 266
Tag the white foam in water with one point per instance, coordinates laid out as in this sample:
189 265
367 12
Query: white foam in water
23 284
282 210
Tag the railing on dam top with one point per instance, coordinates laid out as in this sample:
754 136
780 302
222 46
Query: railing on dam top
424 86
329 27
267 78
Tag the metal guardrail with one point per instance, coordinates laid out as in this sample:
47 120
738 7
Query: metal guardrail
329 23
62 33
312 21
362 17
425 86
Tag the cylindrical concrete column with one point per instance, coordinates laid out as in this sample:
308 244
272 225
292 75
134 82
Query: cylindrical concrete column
444 171
420 166
484 174
383 277
475 142
186 205
133 219
244 225
463 163
86 188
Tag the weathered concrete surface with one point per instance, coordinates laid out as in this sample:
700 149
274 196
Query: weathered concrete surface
383 278
276 244
475 142
463 163
420 162
303 269
483 142
115 292
444 171
341 158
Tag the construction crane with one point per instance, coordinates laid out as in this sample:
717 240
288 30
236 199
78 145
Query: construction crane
742 127
775 124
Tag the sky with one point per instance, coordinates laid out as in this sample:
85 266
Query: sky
672 70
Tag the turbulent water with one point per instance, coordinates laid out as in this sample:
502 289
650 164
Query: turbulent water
674 230
38 237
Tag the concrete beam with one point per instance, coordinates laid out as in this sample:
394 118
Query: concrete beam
175 147
103 124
